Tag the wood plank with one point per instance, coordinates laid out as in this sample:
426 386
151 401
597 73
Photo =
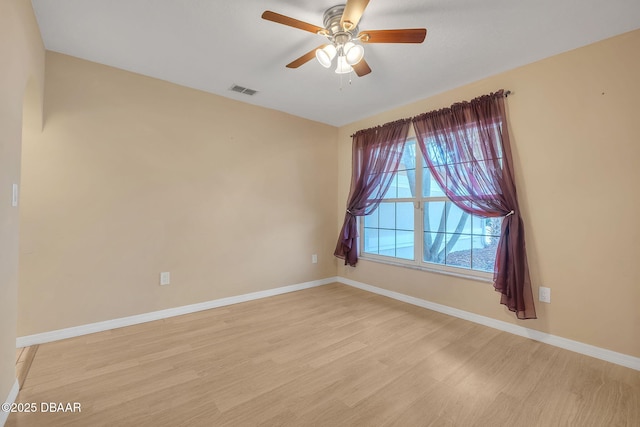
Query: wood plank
331 355
23 364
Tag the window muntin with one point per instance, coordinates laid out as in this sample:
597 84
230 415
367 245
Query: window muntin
390 231
417 225
455 238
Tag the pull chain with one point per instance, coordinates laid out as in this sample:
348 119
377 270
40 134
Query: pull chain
350 79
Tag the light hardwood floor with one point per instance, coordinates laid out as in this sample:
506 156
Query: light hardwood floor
24 359
326 356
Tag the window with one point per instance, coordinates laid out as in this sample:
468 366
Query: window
417 225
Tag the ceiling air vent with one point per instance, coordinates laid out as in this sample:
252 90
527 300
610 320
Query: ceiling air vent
245 90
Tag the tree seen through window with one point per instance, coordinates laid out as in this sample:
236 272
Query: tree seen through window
416 223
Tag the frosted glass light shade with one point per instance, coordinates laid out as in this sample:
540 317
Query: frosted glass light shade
343 67
326 55
354 53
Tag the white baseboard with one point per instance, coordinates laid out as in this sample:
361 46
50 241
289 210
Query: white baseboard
567 344
10 399
575 346
90 328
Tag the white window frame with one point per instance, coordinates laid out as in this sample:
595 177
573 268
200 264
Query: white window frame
418 263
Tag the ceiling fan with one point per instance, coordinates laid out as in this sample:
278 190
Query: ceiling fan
341 28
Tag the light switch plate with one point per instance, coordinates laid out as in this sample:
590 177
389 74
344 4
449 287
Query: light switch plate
14 196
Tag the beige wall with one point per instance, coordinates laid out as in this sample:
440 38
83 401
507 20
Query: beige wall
21 79
574 126
132 176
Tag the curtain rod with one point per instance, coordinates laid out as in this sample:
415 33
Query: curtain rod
505 93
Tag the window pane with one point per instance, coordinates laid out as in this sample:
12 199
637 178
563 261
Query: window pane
406 183
430 186
404 216
483 255
458 221
458 250
477 243
408 160
478 225
433 246
485 242
493 226
488 230
371 220
387 215
481 151
437 154
389 230
370 240
404 244
403 184
387 242
392 192
387 177
483 171
434 216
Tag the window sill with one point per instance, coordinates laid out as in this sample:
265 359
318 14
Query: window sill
479 277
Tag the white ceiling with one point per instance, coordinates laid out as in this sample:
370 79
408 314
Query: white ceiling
212 44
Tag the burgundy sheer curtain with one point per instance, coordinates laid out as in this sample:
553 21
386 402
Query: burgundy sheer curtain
468 148
376 156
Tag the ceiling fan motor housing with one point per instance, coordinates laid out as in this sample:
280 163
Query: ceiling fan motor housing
335 32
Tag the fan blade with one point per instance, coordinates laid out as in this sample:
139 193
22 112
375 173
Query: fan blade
285 20
361 68
304 58
352 13
409 35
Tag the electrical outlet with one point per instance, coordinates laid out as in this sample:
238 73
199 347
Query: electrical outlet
314 258
544 294
165 278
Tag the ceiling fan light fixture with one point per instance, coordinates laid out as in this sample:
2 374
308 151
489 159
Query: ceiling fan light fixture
340 27
353 52
343 67
326 55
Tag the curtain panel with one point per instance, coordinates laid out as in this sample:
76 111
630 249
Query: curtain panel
468 149
377 153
